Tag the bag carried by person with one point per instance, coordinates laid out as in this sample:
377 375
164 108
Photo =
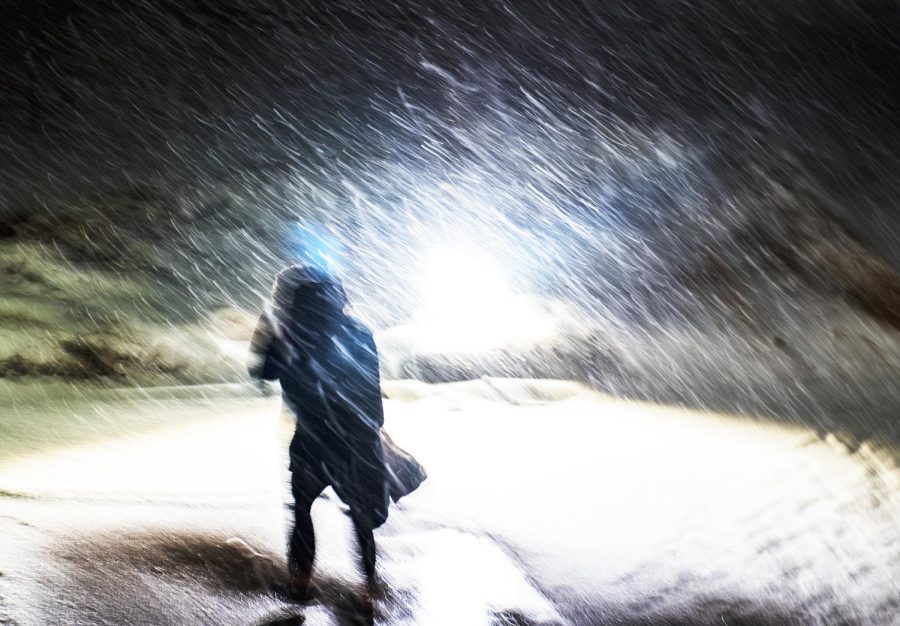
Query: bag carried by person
404 472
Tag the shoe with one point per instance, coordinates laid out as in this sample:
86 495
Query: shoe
291 592
289 620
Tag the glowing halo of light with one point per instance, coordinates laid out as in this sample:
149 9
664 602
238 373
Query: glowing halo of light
468 305
316 247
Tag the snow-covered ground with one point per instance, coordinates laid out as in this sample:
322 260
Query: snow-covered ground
546 503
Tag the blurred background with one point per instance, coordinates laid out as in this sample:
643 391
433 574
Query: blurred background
701 197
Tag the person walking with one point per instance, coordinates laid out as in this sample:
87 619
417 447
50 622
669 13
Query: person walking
327 364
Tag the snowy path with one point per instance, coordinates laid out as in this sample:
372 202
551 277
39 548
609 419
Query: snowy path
585 510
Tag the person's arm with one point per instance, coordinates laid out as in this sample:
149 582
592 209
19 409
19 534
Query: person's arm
262 362
368 359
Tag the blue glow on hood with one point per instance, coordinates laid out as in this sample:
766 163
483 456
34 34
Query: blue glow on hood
316 248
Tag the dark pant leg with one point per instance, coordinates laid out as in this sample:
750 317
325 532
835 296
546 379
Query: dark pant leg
364 489
366 538
302 543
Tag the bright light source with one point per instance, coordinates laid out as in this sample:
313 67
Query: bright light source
316 247
468 305
463 285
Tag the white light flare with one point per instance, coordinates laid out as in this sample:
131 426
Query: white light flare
468 305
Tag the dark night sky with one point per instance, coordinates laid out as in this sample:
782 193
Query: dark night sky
100 94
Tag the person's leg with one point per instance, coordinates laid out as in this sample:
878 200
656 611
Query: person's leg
362 486
302 542
366 537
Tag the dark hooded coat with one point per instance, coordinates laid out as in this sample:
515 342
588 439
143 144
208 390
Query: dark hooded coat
327 365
